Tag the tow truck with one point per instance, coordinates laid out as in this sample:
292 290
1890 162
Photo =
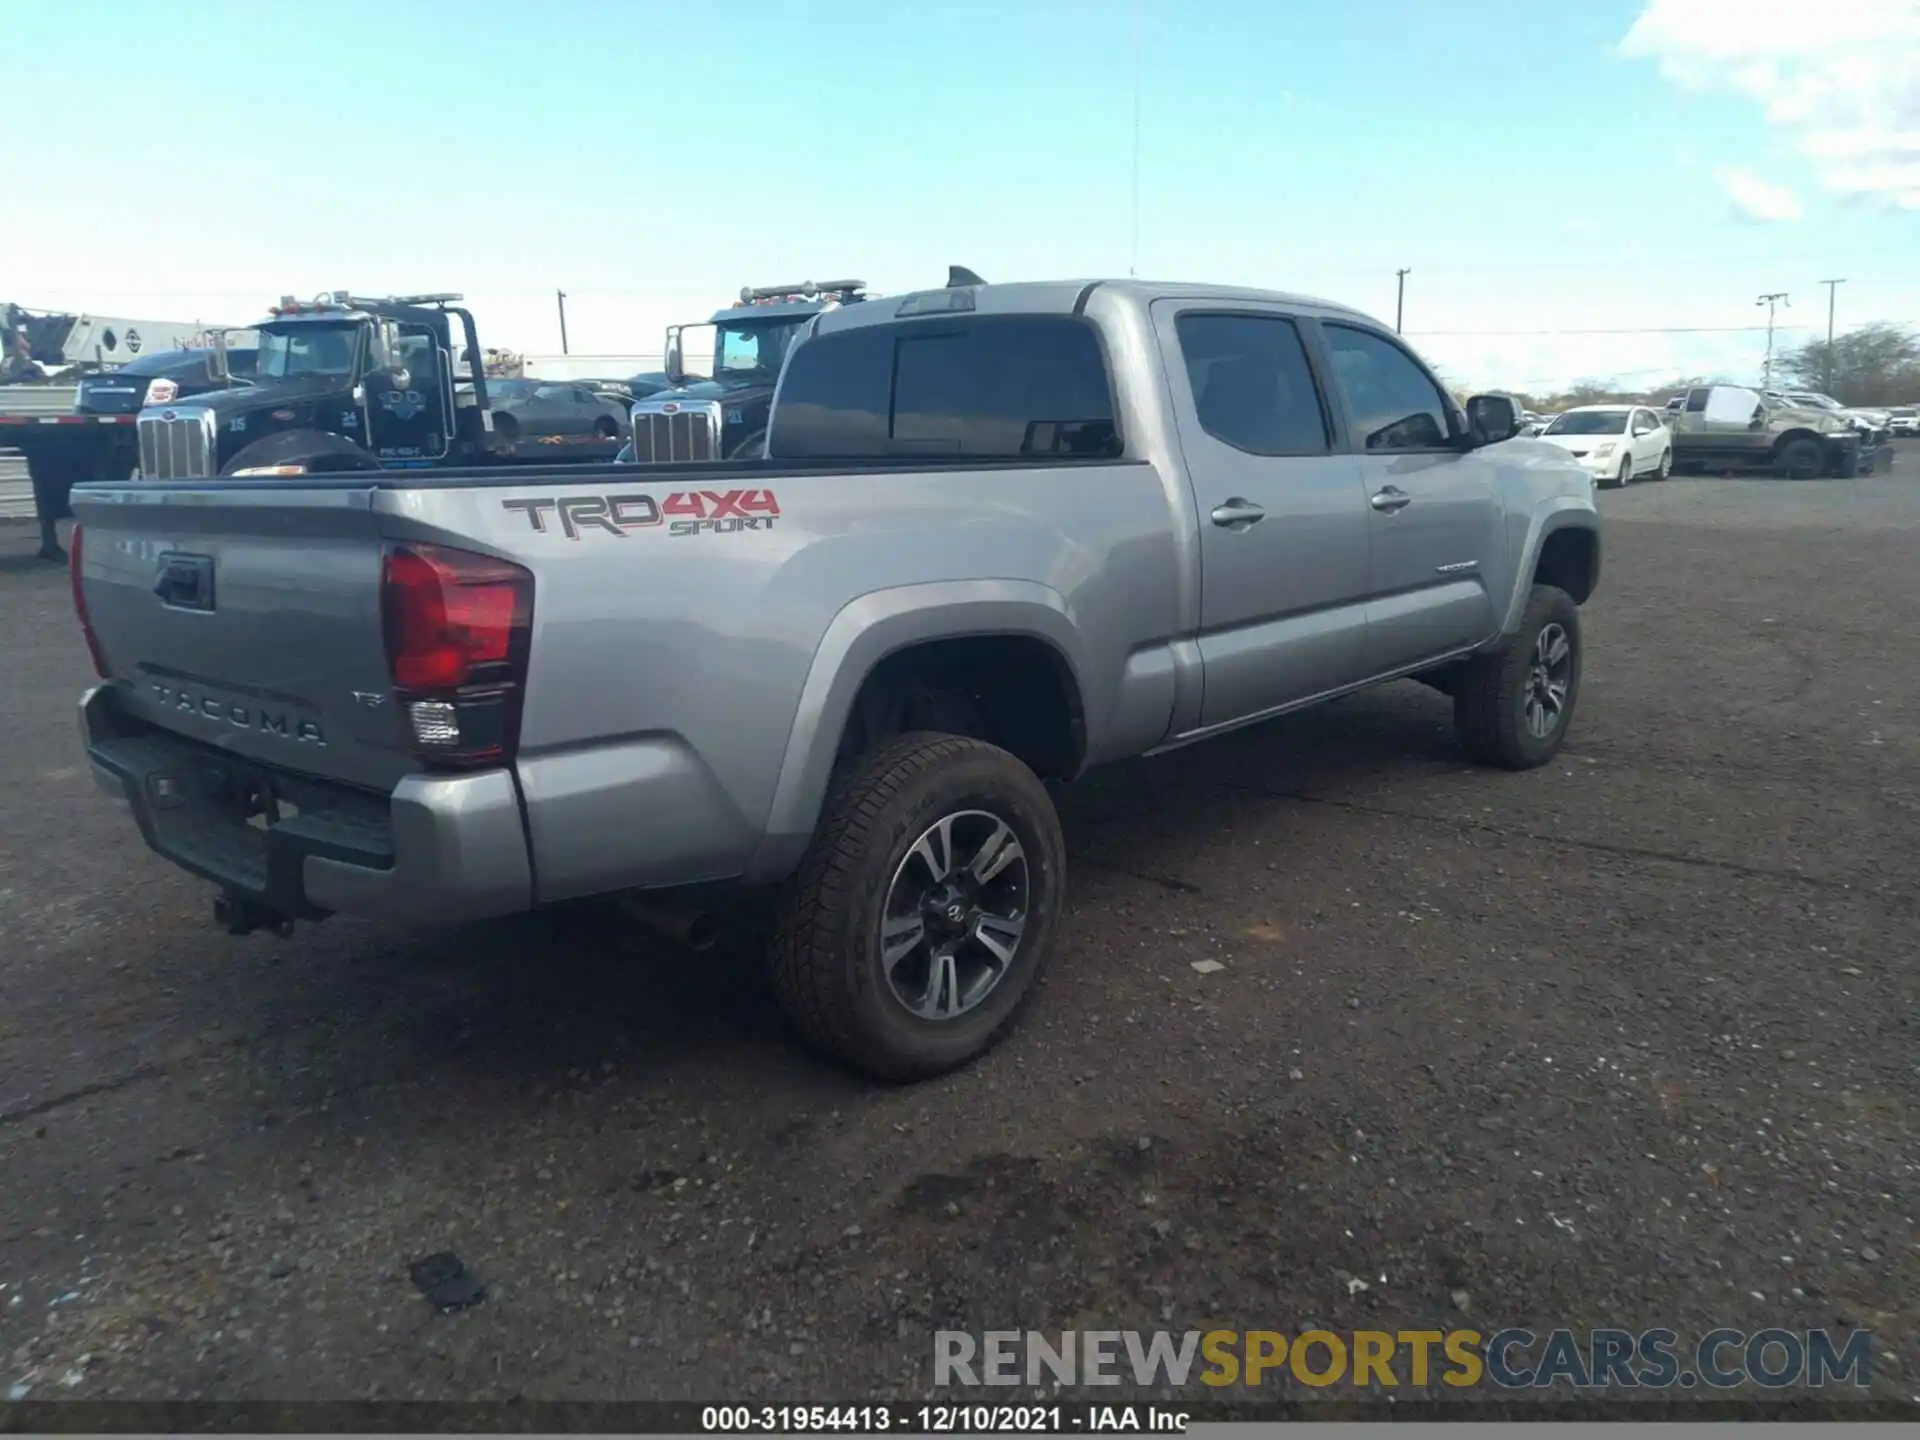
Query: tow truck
346 382
724 415
339 383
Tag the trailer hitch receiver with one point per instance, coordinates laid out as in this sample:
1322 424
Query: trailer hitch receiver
239 915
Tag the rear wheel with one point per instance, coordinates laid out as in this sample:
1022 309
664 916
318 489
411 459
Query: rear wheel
606 427
1666 465
505 427
920 920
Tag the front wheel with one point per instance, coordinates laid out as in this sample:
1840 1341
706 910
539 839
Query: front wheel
1801 460
921 918
1625 477
1513 705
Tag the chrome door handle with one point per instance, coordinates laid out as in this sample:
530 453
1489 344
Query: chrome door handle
1237 514
1390 500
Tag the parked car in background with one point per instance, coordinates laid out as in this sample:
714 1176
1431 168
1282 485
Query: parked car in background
1867 418
1904 420
534 408
1615 443
158 378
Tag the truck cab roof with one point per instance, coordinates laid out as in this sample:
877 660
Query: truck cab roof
783 310
1057 297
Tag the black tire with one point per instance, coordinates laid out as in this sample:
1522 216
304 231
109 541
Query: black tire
1801 459
1491 702
827 970
754 447
606 427
1666 465
506 428
1625 477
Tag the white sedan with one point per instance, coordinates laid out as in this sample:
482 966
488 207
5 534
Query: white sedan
1615 443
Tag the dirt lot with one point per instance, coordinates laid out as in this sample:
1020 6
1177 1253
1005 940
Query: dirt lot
1629 1040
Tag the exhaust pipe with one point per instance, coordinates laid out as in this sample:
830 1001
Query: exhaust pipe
694 929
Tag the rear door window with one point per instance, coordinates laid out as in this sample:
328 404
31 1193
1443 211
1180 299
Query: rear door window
1252 385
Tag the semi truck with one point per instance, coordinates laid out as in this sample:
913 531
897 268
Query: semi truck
723 415
338 383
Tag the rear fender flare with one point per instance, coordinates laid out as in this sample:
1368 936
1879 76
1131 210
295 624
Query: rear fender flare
1561 513
864 633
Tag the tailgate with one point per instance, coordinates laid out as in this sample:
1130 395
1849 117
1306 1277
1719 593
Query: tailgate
247 616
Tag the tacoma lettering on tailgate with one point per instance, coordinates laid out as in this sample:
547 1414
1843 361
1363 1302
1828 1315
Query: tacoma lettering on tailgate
684 512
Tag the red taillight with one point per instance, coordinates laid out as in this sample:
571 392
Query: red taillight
458 626
80 604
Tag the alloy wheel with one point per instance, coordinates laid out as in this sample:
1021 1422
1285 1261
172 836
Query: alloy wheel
1544 703
955 912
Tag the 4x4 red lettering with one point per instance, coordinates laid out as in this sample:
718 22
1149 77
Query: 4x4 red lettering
684 502
748 502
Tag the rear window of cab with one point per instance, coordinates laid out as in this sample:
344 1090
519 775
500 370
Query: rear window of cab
977 387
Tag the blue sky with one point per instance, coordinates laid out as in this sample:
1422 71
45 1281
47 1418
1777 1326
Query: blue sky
652 159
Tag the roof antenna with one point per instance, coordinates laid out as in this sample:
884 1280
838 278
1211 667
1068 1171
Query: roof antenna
958 275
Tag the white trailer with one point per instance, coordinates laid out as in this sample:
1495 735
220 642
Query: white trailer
587 367
42 345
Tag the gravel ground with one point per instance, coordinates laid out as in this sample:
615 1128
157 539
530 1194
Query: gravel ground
1628 1040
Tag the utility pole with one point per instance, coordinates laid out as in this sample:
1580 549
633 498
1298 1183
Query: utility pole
1832 286
561 296
1766 375
1400 298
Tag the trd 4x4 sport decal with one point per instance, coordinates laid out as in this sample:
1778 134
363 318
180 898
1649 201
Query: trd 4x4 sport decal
684 512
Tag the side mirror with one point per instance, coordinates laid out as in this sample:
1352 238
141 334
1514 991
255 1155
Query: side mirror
1492 418
672 366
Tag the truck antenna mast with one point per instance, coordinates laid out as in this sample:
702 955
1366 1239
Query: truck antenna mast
1139 66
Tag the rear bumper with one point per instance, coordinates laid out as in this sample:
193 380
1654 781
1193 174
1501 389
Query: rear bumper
439 849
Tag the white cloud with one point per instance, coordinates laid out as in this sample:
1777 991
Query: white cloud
1758 199
1841 79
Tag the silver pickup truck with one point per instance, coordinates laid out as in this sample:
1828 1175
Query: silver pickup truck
1003 533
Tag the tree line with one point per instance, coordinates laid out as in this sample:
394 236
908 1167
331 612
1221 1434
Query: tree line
1877 364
